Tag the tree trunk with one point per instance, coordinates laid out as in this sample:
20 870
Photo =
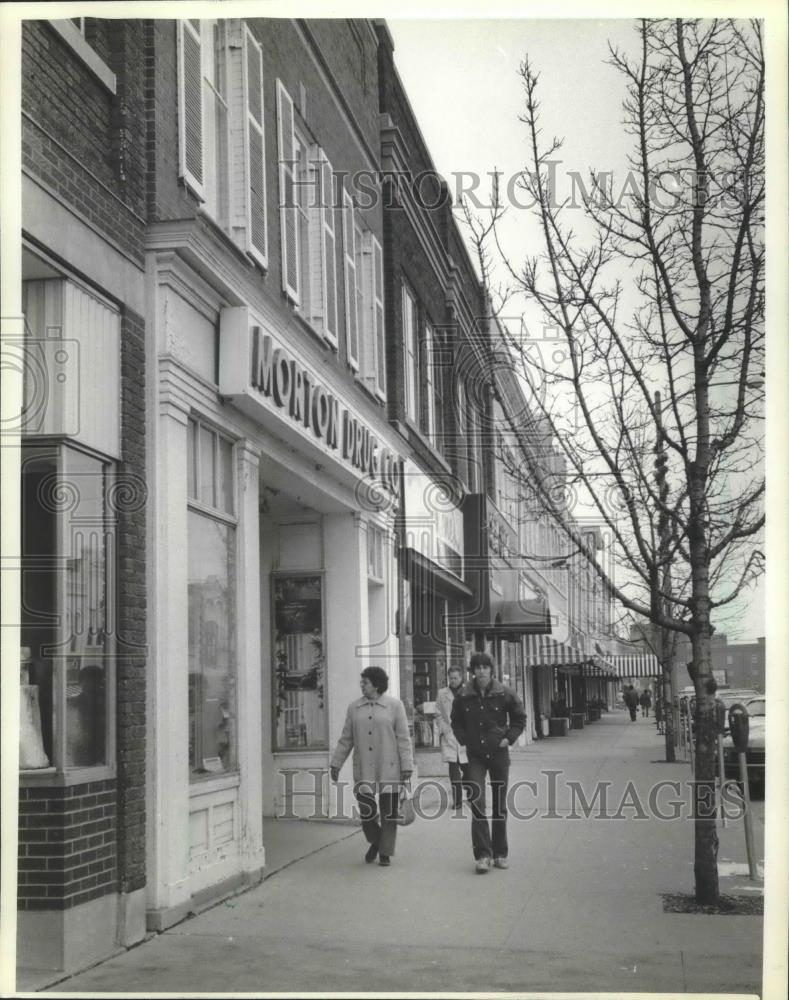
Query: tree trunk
705 866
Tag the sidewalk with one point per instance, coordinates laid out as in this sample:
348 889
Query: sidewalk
580 908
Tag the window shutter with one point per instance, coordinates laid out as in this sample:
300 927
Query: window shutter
349 249
430 401
190 106
289 233
255 151
329 253
365 276
378 319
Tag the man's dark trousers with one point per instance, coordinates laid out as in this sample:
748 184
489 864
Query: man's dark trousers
489 840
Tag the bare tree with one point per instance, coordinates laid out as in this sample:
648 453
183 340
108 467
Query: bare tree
659 304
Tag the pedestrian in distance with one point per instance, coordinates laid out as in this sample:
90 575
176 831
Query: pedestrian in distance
646 702
487 718
630 698
452 752
376 729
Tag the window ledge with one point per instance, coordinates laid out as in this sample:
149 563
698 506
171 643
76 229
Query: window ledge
50 777
206 784
362 382
72 37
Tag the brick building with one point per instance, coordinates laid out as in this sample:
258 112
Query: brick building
277 453
83 628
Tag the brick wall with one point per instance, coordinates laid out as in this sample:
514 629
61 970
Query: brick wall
131 609
84 143
67 852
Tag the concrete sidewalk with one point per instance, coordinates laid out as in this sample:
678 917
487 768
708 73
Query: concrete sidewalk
580 908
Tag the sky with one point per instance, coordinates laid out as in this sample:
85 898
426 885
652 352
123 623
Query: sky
461 77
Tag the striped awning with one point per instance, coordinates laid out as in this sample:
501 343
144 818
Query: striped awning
542 651
634 665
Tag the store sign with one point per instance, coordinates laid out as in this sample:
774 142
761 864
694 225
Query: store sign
272 378
502 539
434 524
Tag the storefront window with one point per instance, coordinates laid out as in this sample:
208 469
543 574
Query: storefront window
211 545
299 663
67 540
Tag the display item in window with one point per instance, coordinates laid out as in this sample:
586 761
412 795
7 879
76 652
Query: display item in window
31 743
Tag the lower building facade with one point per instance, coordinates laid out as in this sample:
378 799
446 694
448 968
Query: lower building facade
273 585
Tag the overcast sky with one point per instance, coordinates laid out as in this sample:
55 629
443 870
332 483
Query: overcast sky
461 77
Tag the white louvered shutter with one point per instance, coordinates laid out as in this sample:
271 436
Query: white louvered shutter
365 275
378 319
190 106
328 252
311 190
255 151
349 250
289 231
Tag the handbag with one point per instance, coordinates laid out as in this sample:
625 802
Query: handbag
406 814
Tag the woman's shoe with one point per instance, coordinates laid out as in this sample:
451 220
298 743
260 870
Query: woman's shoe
372 853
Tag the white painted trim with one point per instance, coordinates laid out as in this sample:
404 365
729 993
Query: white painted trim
72 37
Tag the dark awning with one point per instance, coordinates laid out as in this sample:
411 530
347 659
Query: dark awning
528 616
429 572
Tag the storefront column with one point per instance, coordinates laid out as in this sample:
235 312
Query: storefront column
249 706
168 696
347 630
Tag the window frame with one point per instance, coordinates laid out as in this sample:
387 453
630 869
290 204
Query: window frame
411 385
74 37
281 574
59 773
230 520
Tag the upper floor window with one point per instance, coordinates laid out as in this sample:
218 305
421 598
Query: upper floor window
411 348
436 361
308 231
222 153
87 38
364 286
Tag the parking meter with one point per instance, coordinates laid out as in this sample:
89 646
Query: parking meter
738 727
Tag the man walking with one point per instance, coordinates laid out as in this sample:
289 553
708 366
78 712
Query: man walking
487 718
451 752
630 698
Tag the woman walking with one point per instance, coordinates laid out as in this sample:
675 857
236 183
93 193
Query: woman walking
376 729
452 752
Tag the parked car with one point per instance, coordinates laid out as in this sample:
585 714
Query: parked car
754 756
730 696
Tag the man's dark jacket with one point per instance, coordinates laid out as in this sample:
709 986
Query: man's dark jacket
481 720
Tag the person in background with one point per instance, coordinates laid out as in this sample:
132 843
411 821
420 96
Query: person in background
376 729
487 718
646 702
451 751
630 698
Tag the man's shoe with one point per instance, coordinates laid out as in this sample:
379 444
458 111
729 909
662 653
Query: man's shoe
483 865
384 861
500 863
372 853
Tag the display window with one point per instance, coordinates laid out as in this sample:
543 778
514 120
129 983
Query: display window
212 566
299 673
67 627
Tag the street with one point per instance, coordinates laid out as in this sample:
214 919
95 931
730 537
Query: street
580 908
